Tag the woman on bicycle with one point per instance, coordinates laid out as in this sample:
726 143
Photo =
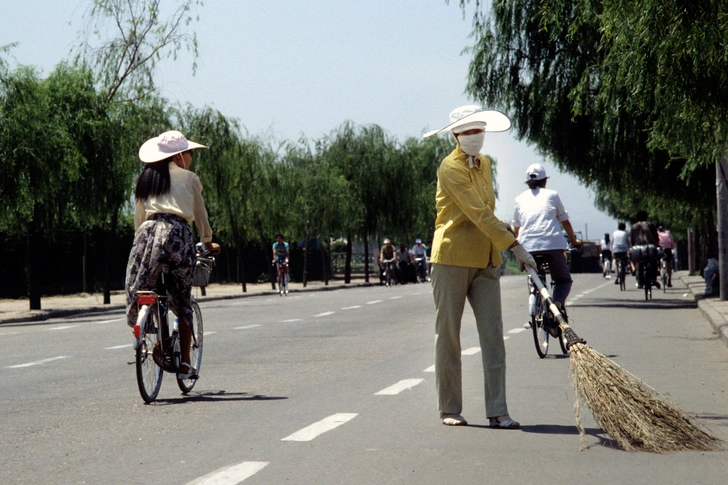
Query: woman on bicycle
538 218
281 254
168 198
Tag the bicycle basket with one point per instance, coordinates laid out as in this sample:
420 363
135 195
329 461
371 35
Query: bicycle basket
203 271
165 358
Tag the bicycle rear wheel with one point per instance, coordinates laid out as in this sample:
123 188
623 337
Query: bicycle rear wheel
149 374
622 275
186 385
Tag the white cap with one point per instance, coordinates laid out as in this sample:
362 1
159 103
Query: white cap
535 172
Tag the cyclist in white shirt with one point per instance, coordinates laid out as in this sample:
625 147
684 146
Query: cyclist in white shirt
420 252
538 218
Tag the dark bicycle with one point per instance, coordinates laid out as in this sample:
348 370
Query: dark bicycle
156 345
645 257
621 269
543 322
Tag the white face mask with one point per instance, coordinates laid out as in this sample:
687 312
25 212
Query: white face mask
471 144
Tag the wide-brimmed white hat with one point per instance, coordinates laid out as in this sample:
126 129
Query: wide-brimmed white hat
473 116
535 171
165 145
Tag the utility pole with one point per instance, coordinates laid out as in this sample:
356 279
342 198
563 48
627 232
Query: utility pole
721 186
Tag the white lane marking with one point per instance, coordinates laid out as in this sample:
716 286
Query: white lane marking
115 347
209 333
327 424
292 320
62 328
324 314
231 475
395 297
506 337
351 307
9 333
240 303
374 301
102 322
37 362
399 387
430 369
245 327
270 299
471 351
517 330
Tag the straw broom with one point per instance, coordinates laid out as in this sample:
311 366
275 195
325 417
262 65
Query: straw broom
627 409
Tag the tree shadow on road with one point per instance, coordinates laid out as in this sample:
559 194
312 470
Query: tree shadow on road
217 396
639 305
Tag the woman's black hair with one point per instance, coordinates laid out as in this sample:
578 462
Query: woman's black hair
154 180
532 184
621 226
606 237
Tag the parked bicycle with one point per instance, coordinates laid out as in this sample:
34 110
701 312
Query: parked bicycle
156 345
543 322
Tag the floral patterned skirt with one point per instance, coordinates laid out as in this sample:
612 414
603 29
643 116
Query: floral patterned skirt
162 241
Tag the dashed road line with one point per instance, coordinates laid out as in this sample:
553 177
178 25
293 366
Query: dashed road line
62 328
402 385
323 314
374 301
327 424
116 347
395 297
351 307
103 322
37 362
517 330
292 320
471 351
430 369
231 475
246 327
204 334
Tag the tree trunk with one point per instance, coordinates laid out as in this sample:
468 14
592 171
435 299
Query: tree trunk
721 169
31 267
305 256
241 264
325 273
83 263
691 251
347 265
366 257
109 256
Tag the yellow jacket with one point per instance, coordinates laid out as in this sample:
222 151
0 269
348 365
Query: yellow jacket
467 232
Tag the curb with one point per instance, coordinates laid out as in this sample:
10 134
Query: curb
44 315
716 320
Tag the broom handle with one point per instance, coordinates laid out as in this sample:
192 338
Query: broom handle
571 336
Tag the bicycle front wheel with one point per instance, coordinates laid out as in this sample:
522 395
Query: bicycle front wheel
149 374
186 385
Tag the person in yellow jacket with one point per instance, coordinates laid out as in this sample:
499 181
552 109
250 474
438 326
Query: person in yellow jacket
466 259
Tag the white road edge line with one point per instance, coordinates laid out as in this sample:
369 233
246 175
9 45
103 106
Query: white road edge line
37 362
103 322
402 385
231 475
62 328
327 424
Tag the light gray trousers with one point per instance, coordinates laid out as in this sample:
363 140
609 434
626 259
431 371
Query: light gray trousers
451 286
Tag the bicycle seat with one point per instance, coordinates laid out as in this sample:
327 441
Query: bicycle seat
542 261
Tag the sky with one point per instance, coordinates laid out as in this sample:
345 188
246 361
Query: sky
292 68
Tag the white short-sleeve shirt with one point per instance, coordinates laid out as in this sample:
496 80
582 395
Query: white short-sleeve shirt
539 214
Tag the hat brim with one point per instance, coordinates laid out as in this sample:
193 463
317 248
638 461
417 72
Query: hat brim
495 122
149 152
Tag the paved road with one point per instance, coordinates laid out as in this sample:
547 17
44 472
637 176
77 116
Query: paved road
336 387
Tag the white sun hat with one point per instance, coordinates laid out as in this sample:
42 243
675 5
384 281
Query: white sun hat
165 145
535 171
472 116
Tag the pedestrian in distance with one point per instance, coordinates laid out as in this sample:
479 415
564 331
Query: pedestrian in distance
668 246
466 259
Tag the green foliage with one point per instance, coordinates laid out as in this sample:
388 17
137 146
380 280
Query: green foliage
627 96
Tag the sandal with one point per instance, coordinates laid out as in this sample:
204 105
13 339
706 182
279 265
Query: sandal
453 419
191 372
504 422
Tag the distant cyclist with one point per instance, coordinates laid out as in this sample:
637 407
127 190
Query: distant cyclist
606 256
281 256
387 253
668 245
420 253
644 233
404 260
620 246
538 218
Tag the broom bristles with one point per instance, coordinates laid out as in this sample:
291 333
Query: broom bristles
629 410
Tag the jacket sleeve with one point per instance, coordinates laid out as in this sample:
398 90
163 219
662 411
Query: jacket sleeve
200 212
